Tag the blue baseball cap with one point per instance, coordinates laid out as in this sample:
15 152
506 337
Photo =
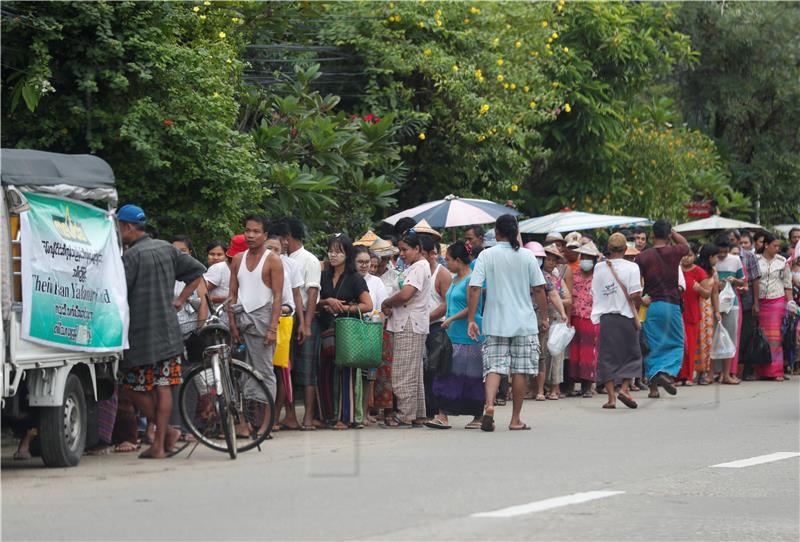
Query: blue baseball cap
131 213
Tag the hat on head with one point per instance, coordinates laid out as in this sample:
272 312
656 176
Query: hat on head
631 251
489 239
536 248
423 227
383 248
132 214
573 240
366 240
617 242
554 236
238 245
552 250
589 249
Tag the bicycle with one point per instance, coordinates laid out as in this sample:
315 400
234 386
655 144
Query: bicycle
221 396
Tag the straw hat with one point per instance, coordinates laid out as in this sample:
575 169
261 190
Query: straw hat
554 236
589 249
573 240
423 227
631 251
366 240
552 250
384 249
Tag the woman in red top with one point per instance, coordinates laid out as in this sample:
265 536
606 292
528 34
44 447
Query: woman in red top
692 315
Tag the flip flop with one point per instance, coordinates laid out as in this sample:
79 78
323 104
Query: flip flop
609 405
627 401
487 423
473 425
541 397
307 428
661 380
523 427
436 423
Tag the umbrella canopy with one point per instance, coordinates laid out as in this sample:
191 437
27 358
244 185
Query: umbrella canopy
784 229
453 211
715 222
576 221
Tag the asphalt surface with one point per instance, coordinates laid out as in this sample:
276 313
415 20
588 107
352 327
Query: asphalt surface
425 484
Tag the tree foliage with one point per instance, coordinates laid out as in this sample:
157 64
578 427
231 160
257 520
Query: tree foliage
148 86
745 94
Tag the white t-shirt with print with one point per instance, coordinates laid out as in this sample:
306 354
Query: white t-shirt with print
607 296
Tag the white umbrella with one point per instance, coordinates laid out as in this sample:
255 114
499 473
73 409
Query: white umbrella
784 229
716 222
566 221
452 212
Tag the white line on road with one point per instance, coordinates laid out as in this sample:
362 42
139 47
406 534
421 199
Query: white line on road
547 504
759 459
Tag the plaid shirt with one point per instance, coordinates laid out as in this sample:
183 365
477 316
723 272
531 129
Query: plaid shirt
752 272
151 268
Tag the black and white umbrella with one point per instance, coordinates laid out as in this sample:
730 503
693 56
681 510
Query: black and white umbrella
452 212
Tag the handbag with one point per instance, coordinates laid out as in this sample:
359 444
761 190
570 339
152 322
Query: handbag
789 339
359 343
283 342
757 350
440 352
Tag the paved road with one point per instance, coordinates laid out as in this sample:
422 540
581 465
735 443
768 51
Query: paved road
423 484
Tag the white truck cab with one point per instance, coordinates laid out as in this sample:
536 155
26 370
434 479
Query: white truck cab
46 386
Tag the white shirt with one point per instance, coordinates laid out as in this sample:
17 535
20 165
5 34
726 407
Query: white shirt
310 270
775 277
219 275
292 278
377 291
607 296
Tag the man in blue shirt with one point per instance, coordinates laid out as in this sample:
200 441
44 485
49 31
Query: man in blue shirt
510 325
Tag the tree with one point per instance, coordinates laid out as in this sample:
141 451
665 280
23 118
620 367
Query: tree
745 94
149 86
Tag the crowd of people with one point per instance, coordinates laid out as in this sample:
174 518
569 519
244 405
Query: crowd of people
468 326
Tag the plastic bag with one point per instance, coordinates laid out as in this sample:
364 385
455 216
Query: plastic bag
559 338
726 298
722 346
756 351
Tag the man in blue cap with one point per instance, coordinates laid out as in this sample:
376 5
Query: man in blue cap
152 363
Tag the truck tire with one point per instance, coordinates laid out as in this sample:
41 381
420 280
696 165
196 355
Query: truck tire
62 429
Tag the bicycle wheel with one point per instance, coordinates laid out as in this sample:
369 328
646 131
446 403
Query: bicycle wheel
202 410
205 416
254 404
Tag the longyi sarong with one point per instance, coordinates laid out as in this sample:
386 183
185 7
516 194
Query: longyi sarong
663 330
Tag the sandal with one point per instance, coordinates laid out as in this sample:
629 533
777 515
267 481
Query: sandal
487 422
395 423
609 405
627 400
553 397
437 423
540 397
663 381
475 424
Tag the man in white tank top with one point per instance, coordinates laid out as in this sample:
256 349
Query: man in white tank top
256 298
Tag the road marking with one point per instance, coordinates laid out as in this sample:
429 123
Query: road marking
547 504
757 460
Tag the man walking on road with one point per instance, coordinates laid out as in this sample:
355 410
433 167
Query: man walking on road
663 327
616 296
511 276
256 298
153 362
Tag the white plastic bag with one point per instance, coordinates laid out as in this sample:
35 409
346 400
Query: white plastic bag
722 346
726 298
559 338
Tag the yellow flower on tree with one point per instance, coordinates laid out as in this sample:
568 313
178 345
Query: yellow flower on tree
478 73
454 68
500 77
514 188
505 86
495 41
426 52
565 49
554 35
526 88
567 108
547 46
421 136
545 24
206 3
438 13
196 9
466 20
484 108
438 22
222 35
202 17
510 130
481 138
421 24
518 44
235 20
513 86
532 104
474 10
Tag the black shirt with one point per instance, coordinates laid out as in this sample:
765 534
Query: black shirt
349 288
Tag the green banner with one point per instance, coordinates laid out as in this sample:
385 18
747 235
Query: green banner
73 280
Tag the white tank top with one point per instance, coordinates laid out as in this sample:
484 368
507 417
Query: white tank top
253 293
435 299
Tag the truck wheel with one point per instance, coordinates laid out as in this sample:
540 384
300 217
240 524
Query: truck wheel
62 429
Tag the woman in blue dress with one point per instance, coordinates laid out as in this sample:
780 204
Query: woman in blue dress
459 392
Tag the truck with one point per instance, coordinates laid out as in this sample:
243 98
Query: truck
48 386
